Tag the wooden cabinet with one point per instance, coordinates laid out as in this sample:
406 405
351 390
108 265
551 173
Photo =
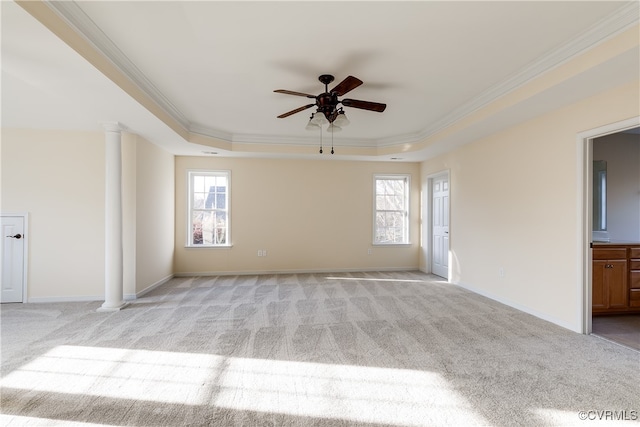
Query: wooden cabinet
634 277
615 279
609 279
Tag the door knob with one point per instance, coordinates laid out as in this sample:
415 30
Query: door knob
17 236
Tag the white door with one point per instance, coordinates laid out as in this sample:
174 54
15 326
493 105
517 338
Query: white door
440 227
12 252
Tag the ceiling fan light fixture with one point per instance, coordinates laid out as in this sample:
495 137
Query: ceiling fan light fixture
333 128
327 111
342 119
311 125
319 119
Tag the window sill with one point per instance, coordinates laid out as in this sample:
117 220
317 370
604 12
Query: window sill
392 244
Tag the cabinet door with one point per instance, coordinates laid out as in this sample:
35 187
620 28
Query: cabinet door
598 289
616 278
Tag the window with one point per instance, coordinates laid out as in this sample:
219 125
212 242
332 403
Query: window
391 222
208 208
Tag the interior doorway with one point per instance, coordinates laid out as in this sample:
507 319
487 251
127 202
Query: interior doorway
439 224
13 253
587 235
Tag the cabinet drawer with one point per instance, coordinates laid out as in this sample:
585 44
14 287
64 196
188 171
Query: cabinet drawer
609 253
634 264
634 298
634 252
634 280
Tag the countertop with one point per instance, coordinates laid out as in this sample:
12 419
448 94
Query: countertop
616 242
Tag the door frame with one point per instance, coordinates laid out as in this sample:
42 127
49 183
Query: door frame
427 220
25 248
585 207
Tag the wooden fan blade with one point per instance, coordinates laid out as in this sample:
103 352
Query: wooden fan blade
290 92
297 110
346 85
364 105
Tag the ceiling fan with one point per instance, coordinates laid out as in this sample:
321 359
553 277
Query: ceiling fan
328 101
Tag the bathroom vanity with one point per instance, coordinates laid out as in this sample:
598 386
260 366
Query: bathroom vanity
616 277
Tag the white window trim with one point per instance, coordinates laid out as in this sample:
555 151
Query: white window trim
189 225
408 209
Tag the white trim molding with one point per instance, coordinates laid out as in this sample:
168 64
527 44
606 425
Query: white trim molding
153 286
584 149
619 21
291 271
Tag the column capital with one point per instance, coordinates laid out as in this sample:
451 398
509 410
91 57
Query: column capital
112 126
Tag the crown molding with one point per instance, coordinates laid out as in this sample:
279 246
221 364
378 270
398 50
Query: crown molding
617 22
304 140
246 138
211 133
78 20
614 24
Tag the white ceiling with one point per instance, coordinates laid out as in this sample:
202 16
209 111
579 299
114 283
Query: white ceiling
213 66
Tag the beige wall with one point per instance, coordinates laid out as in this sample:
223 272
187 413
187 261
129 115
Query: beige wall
310 215
58 178
154 215
515 205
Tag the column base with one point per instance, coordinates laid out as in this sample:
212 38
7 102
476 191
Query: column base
104 309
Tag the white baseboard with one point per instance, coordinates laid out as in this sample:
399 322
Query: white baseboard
126 297
153 286
132 297
523 308
293 271
40 300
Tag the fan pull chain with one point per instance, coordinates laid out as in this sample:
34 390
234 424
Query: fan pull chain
331 142
321 140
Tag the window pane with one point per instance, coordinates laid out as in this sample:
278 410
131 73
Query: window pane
391 205
196 232
221 198
209 182
198 184
397 203
209 203
208 227
221 219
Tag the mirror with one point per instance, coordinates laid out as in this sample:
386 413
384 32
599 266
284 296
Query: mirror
600 200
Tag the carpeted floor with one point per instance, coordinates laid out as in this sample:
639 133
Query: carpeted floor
348 349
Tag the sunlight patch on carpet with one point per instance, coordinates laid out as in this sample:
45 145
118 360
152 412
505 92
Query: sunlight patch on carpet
15 420
400 397
157 376
354 393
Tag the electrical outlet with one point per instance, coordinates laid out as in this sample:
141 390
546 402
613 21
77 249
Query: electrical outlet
260 252
264 252
369 251
501 272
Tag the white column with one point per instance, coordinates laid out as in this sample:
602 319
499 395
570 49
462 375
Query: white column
113 292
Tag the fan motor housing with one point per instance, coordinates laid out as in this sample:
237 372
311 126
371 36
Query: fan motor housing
327 103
